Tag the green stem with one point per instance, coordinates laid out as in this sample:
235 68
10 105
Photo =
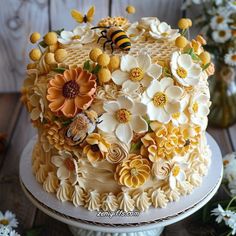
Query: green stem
229 233
234 198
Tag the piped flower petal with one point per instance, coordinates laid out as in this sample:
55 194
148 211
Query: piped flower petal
119 77
128 62
138 124
124 133
154 71
185 61
108 123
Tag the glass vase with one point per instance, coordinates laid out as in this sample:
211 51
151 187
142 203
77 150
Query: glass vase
223 96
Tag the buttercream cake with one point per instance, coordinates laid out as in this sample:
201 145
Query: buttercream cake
121 112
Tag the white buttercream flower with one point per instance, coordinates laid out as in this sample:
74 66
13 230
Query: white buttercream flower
221 36
163 31
229 162
138 70
177 174
162 99
123 117
8 220
145 22
199 109
220 22
134 32
185 70
230 58
67 166
81 34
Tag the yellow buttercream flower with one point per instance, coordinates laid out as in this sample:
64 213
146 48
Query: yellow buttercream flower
133 172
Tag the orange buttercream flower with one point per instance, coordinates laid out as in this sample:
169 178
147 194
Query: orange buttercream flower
133 172
71 92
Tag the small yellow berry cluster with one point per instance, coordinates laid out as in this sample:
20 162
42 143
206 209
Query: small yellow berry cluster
54 53
106 62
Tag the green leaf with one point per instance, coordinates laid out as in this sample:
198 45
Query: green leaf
206 66
59 70
42 44
96 69
135 146
34 232
87 65
167 72
66 122
58 32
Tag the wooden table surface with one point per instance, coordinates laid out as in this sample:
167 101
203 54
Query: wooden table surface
15 123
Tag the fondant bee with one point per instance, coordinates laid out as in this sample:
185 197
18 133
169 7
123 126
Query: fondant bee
115 36
80 18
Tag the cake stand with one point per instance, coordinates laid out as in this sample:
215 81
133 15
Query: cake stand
151 223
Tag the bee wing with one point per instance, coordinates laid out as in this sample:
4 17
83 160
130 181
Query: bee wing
77 16
90 13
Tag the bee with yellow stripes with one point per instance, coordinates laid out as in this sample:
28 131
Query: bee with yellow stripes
115 36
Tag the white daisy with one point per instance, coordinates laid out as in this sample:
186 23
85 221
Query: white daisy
81 34
8 219
221 36
163 31
229 162
199 109
67 166
4 231
232 187
230 58
177 174
123 117
220 213
136 70
145 22
134 33
185 70
220 22
162 99
14 233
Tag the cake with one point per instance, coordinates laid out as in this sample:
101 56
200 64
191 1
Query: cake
121 112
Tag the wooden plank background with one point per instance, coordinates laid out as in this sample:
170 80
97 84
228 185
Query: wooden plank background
19 18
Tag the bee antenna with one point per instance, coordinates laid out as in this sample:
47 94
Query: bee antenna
101 27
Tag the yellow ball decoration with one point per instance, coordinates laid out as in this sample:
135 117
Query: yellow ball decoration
35 54
60 55
205 57
104 75
50 38
201 40
94 53
190 23
49 58
103 59
53 48
31 66
34 37
130 9
183 23
114 63
181 42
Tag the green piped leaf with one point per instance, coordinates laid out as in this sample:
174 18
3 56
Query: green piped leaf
59 70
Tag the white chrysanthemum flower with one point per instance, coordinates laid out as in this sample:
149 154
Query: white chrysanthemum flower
229 162
80 35
163 31
220 22
232 4
230 58
177 175
14 233
67 166
136 70
220 213
199 109
232 187
185 70
145 22
162 99
8 219
221 36
134 32
123 117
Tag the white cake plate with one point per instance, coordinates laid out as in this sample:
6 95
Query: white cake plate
151 223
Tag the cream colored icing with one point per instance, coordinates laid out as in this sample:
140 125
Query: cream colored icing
184 187
109 202
126 203
142 201
194 178
158 198
93 200
78 196
51 183
172 195
41 173
64 191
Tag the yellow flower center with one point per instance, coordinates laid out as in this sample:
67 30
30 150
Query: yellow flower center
175 170
225 162
123 115
4 222
176 115
222 33
182 72
195 107
136 74
76 37
219 19
233 57
165 34
159 99
69 164
134 172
